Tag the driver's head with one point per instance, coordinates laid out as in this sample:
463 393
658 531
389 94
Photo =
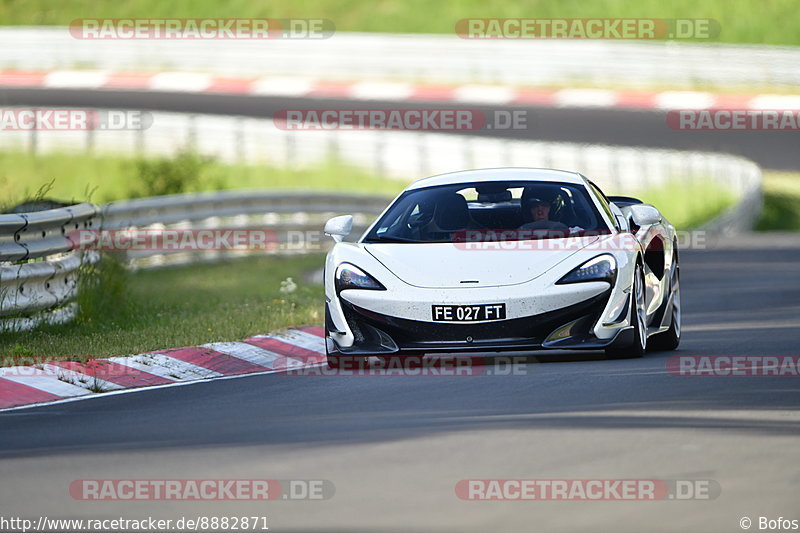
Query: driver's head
540 209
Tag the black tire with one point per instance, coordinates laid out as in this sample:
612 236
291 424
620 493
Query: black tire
670 339
638 346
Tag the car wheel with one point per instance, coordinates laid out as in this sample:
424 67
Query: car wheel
670 339
638 346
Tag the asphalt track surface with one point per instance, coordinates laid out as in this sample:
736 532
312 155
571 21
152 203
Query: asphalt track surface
395 447
772 150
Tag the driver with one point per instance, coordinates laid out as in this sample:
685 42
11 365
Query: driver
539 210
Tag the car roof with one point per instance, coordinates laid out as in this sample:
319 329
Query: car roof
499 174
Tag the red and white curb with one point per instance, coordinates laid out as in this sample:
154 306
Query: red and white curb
60 380
194 82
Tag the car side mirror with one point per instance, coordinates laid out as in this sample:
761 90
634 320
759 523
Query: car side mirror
645 214
339 227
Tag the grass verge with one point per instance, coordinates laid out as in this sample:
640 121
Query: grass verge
781 202
169 308
741 21
688 205
105 178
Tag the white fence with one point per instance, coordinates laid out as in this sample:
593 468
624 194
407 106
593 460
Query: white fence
407 155
431 58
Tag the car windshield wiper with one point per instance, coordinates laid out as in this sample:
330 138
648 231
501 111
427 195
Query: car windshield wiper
390 238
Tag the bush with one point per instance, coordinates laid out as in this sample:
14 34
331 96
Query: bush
158 177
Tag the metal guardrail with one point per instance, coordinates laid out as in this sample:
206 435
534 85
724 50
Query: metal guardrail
39 265
288 217
41 255
287 214
406 57
740 217
199 206
40 269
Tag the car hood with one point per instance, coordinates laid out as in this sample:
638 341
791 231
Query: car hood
447 265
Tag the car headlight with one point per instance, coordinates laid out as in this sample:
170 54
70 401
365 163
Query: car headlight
600 268
351 277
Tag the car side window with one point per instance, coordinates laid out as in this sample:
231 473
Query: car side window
605 205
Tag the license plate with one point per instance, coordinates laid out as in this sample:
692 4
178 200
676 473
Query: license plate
468 313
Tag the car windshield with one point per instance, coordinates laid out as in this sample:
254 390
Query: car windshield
497 210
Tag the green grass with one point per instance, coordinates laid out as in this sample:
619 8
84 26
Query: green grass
105 178
742 21
187 306
781 202
688 205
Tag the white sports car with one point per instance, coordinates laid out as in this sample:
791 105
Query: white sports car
503 259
